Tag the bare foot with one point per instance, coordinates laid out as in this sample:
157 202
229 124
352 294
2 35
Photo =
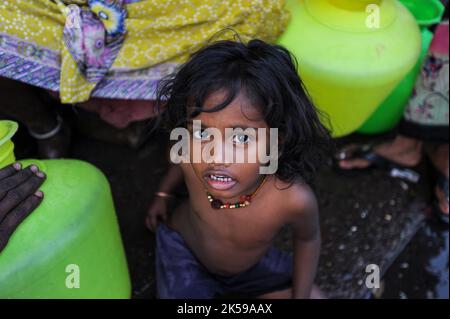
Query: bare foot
402 150
443 200
439 157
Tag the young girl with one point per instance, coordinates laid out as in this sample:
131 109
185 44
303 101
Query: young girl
220 241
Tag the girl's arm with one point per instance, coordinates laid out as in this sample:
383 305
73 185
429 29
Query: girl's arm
306 248
158 209
171 180
306 258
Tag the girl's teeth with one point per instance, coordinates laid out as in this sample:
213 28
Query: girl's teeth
221 179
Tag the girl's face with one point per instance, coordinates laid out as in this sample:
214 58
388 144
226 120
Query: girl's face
225 180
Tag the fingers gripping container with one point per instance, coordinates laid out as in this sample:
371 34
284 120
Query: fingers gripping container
351 54
70 246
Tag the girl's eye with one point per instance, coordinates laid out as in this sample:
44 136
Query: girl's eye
201 134
241 138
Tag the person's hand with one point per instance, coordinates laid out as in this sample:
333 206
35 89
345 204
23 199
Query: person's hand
19 196
157 212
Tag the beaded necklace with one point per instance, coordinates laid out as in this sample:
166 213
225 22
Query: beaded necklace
244 201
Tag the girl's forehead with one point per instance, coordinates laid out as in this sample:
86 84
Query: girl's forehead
241 109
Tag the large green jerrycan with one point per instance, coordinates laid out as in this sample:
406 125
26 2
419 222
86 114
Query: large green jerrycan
70 247
352 54
390 112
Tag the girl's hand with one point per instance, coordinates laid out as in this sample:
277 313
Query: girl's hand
19 196
157 212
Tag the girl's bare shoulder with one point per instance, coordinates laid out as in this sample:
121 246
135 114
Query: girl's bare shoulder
296 197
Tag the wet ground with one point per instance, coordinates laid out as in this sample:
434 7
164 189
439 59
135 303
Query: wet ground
368 218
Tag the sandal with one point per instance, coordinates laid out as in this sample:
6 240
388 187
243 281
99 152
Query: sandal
366 152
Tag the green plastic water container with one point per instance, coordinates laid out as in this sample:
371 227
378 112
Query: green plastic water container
390 112
352 54
70 247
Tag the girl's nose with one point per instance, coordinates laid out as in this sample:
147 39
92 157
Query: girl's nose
217 156
218 165
218 159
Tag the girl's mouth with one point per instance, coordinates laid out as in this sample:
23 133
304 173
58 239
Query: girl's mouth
220 182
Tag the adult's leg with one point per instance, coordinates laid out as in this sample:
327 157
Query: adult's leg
22 103
26 104
403 150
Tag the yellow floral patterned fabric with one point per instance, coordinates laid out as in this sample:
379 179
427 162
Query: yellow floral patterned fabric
158 32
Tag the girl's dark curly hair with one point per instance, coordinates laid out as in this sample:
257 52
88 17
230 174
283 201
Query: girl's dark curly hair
267 74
